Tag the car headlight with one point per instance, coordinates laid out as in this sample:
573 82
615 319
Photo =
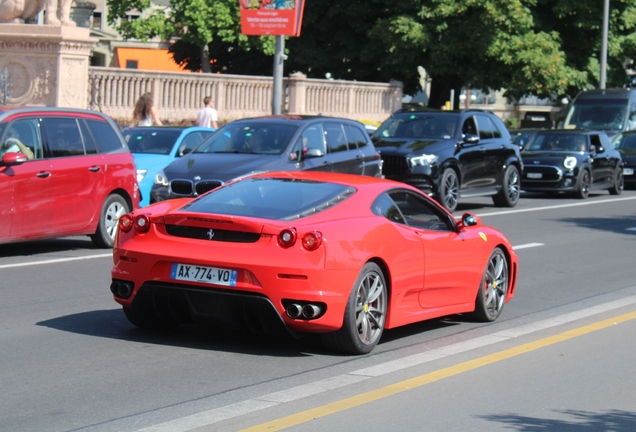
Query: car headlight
161 179
141 173
422 160
569 162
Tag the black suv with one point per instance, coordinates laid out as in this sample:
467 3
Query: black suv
451 154
273 143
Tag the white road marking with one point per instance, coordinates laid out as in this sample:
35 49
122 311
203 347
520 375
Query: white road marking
57 260
578 204
210 417
631 229
527 245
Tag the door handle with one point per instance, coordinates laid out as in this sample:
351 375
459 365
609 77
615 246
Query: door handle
94 168
43 174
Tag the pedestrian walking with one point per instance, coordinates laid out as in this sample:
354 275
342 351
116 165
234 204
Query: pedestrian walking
145 113
207 116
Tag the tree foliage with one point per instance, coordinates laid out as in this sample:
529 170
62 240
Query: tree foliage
547 48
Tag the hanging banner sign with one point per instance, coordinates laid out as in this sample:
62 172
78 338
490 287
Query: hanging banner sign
271 17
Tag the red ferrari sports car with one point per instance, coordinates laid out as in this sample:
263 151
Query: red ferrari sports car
309 252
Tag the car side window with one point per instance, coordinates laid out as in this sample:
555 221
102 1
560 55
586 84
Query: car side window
384 206
595 140
63 137
486 128
190 141
335 137
469 126
417 212
89 142
313 137
24 136
105 137
359 136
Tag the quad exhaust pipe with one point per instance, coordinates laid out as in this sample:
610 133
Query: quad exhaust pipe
303 311
122 289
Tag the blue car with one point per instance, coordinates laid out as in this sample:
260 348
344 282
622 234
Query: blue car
153 148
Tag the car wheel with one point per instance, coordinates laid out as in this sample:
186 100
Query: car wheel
493 288
114 207
449 190
619 182
508 196
365 314
583 190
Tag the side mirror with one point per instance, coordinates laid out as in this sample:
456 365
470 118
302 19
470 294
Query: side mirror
13 158
471 138
469 219
313 153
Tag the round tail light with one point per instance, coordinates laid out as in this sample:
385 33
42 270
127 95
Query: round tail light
312 240
287 237
126 222
142 223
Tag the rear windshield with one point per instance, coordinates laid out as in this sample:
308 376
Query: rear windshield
429 125
249 137
151 140
271 198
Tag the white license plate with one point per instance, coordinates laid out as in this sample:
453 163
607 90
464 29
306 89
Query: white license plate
211 275
535 175
628 171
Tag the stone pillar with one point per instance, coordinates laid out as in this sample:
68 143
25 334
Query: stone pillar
297 86
46 65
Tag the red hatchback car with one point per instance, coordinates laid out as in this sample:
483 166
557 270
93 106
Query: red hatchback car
63 172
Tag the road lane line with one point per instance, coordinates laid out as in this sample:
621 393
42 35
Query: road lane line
579 204
390 390
210 417
527 245
57 260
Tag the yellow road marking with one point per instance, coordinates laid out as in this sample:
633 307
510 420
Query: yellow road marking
354 401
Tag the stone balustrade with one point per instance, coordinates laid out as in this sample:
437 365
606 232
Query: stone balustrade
179 96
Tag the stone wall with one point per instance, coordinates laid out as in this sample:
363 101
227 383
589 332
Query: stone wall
179 96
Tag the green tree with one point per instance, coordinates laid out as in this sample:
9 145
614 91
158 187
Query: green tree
196 26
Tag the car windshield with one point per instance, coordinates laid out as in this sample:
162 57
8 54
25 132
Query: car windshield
558 142
153 141
257 137
421 125
627 142
271 198
587 115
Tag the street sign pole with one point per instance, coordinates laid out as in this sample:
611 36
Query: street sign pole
279 58
604 44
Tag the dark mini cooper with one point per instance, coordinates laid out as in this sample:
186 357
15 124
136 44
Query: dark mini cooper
625 143
451 155
266 144
574 161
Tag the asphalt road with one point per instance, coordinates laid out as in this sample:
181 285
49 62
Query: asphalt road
71 361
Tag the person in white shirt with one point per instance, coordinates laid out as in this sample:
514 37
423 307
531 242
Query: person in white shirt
207 116
145 113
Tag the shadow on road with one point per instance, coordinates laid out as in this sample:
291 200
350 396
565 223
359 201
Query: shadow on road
47 246
113 324
617 225
613 420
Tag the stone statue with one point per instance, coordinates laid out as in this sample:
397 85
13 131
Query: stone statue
26 11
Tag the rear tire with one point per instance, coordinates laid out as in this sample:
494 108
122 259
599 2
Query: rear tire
508 196
449 190
365 314
619 182
114 207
